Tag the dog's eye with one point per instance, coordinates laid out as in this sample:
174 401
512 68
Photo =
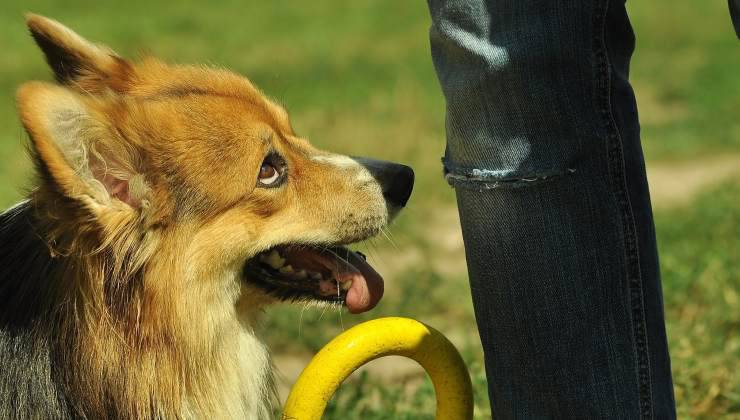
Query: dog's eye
273 171
268 174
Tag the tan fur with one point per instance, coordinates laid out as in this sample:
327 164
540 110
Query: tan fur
148 187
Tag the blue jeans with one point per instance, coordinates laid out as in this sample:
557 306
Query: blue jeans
544 153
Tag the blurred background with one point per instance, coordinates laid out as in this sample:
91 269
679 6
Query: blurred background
357 78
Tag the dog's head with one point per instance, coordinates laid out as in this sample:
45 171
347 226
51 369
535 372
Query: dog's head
191 177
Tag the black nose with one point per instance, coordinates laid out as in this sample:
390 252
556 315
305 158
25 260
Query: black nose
396 180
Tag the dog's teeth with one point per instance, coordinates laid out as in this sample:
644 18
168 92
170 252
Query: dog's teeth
346 285
274 260
315 276
287 269
301 274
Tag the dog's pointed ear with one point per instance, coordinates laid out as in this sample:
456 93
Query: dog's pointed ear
76 152
77 61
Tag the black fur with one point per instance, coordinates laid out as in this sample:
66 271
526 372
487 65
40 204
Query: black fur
29 382
66 66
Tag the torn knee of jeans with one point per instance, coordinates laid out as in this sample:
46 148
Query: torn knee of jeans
487 179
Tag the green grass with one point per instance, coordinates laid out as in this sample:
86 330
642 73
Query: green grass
685 79
699 258
357 78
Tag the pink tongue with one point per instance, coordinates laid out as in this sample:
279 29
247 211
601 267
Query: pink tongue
367 285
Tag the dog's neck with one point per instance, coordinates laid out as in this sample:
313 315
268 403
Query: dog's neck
129 352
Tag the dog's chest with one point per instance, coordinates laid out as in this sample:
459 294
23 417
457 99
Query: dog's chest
241 385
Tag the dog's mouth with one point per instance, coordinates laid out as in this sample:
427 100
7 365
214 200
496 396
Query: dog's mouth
332 274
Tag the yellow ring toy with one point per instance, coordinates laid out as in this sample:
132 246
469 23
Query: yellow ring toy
371 340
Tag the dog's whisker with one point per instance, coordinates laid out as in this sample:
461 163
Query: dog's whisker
386 233
339 308
323 311
300 320
374 250
376 255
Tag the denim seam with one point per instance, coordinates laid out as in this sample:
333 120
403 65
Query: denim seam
487 179
618 178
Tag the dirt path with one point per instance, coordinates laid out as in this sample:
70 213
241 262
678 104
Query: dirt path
676 184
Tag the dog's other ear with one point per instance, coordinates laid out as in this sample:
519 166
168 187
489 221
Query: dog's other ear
76 151
76 61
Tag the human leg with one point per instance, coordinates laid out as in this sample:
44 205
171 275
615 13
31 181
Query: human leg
543 150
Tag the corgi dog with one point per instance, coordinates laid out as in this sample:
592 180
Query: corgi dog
173 204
